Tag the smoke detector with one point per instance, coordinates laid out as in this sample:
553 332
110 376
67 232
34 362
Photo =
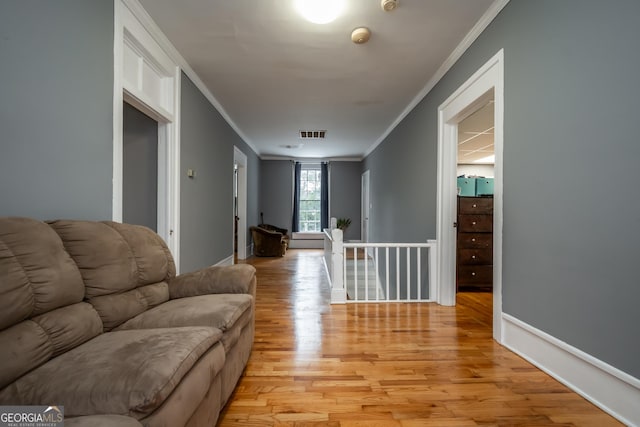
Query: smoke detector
360 35
389 5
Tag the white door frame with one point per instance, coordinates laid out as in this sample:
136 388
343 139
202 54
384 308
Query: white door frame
147 78
365 204
487 82
240 159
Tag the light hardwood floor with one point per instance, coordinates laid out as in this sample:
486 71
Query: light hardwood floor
314 364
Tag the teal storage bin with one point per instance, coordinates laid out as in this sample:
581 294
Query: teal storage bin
484 187
467 187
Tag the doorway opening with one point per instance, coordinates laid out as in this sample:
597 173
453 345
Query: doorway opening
139 168
148 79
475 181
486 84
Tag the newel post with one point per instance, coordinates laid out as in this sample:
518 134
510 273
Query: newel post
338 294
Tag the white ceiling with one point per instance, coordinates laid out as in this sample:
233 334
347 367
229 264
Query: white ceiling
476 136
275 74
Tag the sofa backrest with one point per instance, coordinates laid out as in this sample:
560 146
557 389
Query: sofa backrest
125 268
41 293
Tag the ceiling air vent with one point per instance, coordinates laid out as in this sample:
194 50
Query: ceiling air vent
312 134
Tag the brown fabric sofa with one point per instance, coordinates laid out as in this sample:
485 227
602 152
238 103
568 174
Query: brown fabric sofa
269 241
93 317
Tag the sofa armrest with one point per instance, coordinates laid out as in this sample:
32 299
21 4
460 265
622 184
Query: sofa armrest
231 279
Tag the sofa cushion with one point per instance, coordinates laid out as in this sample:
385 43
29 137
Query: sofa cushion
37 274
117 308
218 310
124 373
103 256
30 343
102 421
154 262
125 267
39 281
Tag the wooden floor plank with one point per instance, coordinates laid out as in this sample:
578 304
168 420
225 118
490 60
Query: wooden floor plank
314 364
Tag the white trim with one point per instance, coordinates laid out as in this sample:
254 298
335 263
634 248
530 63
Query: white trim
159 37
614 391
149 79
365 205
312 160
485 83
118 98
471 37
227 261
240 159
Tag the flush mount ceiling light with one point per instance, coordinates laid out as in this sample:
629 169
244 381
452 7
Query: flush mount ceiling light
389 5
360 35
320 11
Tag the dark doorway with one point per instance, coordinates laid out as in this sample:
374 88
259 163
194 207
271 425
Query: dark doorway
140 168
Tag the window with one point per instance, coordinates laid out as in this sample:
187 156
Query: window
310 197
310 191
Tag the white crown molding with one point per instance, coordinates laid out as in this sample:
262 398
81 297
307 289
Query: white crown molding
149 24
471 37
312 160
607 387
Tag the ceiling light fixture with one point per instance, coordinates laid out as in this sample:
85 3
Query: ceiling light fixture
320 11
389 5
360 35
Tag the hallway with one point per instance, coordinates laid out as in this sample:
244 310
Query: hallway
314 364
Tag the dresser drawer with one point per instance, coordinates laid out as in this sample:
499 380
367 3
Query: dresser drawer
475 240
475 274
475 223
475 205
475 256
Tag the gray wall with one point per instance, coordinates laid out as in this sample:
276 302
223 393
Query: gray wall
139 168
344 195
56 109
276 193
571 221
206 201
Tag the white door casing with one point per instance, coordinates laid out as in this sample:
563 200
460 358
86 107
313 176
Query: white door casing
148 79
240 159
486 83
365 206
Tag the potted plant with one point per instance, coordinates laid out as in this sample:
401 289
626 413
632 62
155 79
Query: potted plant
343 224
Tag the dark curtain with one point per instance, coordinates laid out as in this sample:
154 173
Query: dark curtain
324 196
296 197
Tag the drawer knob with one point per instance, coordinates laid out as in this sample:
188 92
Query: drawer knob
475 206
473 257
473 273
473 240
474 223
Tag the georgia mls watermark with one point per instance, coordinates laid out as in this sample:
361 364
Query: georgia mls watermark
31 416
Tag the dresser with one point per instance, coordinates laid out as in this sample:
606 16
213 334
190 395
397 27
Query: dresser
474 269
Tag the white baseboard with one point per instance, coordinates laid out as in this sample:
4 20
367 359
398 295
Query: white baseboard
227 261
614 391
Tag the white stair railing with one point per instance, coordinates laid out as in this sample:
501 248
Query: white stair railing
379 272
